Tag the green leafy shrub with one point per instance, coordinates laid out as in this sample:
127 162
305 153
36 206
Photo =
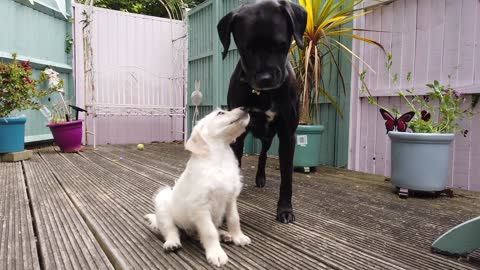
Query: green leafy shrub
18 89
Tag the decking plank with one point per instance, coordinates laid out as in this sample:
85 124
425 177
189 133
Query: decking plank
436 219
124 236
144 189
333 255
17 240
65 239
381 205
341 181
350 233
345 220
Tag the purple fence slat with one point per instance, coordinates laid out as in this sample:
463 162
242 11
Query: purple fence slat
434 40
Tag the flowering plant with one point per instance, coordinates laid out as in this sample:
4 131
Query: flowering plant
449 108
439 111
61 110
436 112
18 90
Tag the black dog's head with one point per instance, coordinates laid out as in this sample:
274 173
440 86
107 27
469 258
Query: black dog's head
263 33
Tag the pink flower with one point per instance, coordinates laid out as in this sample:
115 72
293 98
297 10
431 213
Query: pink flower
426 116
456 93
26 65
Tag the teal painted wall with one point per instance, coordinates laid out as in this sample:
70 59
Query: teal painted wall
206 65
37 33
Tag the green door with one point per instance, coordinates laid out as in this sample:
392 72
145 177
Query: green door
39 33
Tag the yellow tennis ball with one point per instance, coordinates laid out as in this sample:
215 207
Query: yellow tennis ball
140 147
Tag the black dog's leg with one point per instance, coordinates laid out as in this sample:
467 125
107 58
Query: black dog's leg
262 160
237 148
286 152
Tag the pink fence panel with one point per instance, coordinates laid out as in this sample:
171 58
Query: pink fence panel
135 65
430 40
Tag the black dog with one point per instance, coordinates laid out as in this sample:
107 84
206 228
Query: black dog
264 83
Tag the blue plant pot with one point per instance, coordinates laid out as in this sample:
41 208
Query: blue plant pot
12 134
420 161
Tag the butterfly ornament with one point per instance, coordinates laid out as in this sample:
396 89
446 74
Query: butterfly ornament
394 123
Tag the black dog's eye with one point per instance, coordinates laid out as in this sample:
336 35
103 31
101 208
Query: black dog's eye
220 113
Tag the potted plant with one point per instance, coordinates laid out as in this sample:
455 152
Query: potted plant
420 159
67 133
324 37
18 92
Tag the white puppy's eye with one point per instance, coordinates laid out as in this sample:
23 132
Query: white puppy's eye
220 113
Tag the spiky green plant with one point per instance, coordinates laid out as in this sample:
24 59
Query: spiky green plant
324 37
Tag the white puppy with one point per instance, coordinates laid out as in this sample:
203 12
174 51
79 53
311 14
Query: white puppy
207 190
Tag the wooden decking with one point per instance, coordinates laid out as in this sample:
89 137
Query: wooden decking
84 211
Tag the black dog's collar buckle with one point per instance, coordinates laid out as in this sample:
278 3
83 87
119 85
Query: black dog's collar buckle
256 92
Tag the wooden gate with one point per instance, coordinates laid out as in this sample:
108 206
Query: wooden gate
138 77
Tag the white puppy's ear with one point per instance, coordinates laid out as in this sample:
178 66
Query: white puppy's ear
196 144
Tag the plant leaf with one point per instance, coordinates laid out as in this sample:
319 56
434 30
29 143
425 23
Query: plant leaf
316 69
354 55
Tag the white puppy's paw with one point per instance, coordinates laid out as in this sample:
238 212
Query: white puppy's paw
241 240
217 257
225 236
151 220
170 246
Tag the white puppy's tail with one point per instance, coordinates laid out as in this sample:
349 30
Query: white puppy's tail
161 202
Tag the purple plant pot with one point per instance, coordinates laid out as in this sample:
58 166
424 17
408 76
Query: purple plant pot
67 135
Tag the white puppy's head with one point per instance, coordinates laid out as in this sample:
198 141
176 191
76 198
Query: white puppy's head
218 127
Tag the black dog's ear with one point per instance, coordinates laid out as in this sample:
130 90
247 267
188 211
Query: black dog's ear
224 29
297 18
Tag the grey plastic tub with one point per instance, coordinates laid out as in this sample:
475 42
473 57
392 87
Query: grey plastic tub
420 161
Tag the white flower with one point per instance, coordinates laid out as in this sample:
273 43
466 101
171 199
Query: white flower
53 79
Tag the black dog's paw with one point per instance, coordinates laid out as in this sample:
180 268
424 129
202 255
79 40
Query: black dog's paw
285 215
260 181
